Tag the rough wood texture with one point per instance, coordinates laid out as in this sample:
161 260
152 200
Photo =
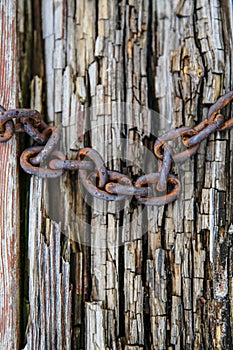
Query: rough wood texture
170 288
9 190
49 324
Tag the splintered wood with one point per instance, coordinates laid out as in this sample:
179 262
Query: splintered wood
146 278
49 283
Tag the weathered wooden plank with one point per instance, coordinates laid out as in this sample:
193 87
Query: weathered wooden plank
49 276
49 322
187 60
9 190
173 269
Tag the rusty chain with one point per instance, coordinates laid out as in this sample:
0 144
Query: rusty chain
95 177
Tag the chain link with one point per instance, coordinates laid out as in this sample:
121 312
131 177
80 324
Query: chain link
95 177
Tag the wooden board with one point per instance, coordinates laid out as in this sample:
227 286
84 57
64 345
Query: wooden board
9 187
168 286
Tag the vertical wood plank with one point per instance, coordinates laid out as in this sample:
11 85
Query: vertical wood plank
170 285
9 187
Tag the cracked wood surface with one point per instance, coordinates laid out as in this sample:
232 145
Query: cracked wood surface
106 64
9 190
49 322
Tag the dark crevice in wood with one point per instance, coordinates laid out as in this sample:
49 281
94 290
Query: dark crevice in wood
121 291
24 205
162 229
192 277
78 333
38 45
169 298
182 325
25 75
26 55
151 60
124 51
31 64
146 301
96 17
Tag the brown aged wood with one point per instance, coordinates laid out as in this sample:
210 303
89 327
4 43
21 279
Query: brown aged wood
9 189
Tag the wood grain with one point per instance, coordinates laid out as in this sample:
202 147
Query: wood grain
9 190
168 286
49 325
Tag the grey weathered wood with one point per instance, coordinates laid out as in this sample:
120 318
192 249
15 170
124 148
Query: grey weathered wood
49 321
171 287
49 275
9 190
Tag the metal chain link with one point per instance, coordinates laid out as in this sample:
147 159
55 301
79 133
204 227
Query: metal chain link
95 177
